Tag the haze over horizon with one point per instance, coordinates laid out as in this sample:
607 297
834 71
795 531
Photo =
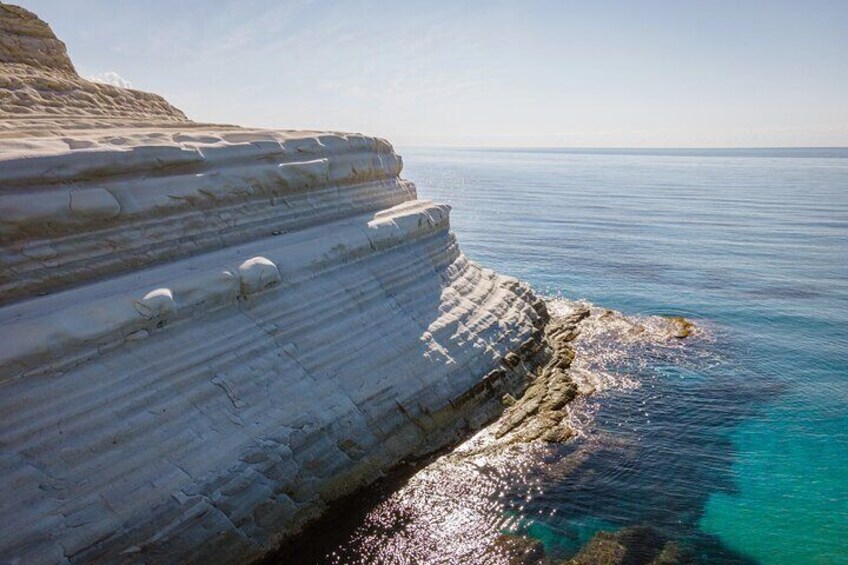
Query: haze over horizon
605 74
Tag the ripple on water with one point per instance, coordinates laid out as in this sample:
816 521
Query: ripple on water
754 439
639 437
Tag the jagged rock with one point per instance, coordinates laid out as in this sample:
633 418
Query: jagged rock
538 413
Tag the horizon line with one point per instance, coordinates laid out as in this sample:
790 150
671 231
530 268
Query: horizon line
621 148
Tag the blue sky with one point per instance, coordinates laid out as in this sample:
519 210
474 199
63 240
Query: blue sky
493 73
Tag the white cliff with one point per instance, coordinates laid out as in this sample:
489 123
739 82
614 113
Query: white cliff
208 333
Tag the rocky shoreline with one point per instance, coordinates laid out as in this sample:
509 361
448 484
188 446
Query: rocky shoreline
539 412
209 334
535 412
524 398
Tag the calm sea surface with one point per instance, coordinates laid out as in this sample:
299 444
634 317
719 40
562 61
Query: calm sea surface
739 452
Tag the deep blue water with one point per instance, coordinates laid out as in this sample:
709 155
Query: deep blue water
742 452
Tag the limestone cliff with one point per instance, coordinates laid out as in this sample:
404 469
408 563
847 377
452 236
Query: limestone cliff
207 333
41 90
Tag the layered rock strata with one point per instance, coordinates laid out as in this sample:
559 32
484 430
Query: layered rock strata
40 89
208 333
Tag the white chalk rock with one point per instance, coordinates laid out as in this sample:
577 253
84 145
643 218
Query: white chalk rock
39 252
24 209
94 203
258 274
156 303
212 441
138 335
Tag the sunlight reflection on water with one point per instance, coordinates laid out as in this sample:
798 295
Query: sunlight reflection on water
456 509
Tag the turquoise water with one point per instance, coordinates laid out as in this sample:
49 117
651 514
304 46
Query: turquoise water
743 452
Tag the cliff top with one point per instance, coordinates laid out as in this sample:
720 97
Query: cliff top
40 88
27 40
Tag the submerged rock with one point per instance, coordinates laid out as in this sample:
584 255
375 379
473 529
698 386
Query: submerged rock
636 545
681 328
520 550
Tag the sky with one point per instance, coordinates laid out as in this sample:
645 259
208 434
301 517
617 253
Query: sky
483 73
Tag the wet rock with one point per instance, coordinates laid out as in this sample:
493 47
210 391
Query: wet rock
559 394
637 329
579 314
522 410
538 414
681 328
559 434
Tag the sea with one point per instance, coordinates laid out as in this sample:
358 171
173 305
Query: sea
734 445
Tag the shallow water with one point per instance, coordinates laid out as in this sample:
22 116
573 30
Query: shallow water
736 445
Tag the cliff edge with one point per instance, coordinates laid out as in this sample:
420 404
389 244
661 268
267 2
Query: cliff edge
208 333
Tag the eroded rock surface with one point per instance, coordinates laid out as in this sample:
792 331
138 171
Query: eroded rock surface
40 89
208 333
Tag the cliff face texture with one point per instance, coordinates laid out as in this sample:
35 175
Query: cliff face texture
208 333
39 87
